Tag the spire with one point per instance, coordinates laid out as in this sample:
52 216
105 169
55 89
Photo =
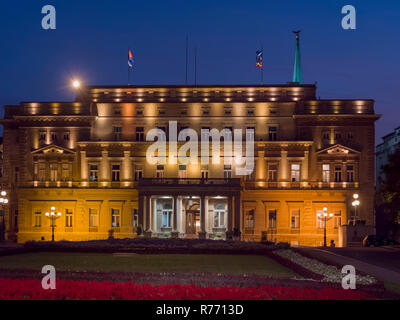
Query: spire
297 61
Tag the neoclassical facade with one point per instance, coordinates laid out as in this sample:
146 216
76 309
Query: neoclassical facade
87 158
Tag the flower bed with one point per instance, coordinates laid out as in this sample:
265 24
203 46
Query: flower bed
154 245
16 289
330 273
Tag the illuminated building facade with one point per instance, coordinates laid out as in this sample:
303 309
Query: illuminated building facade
87 158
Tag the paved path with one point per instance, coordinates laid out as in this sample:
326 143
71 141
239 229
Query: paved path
379 272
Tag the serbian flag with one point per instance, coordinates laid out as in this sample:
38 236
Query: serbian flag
259 58
130 58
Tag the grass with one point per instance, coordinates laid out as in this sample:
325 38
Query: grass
226 264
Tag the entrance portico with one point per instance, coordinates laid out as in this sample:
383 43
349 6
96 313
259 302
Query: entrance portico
189 207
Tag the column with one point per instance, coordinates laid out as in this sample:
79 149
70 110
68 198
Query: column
202 232
229 230
237 214
141 211
304 169
126 169
104 169
175 232
84 170
148 217
261 170
283 168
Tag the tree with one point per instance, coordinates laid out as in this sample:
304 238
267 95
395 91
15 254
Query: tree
388 196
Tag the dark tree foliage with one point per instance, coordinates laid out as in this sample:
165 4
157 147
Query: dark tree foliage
388 197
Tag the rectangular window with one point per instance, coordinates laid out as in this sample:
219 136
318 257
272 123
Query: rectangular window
42 172
338 173
115 218
138 173
65 172
272 172
166 218
160 171
66 136
53 171
219 218
350 173
182 172
117 133
227 111
139 134
326 135
227 171
68 218
337 219
42 135
250 112
135 216
272 219
326 172
115 172
338 136
93 172
272 133
295 219
53 136
204 172
37 219
249 223
93 218
295 172
250 133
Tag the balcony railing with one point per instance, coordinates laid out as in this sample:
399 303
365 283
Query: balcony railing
233 182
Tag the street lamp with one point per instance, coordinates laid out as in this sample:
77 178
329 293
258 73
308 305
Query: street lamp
76 84
355 204
324 217
3 202
53 217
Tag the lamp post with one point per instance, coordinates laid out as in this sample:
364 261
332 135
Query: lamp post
3 202
53 217
324 217
355 204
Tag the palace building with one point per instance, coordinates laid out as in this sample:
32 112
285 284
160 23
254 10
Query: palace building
87 159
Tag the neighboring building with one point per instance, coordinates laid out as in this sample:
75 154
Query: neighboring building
88 159
391 143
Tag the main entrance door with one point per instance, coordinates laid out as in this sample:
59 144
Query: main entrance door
192 218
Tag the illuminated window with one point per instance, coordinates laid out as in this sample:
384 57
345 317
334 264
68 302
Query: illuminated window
182 174
295 172
227 171
272 172
93 218
166 215
295 219
68 218
37 219
135 216
219 215
53 171
249 219
115 172
93 172
204 172
272 219
326 172
337 222
115 218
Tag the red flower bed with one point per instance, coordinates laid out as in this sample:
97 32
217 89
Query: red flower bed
16 289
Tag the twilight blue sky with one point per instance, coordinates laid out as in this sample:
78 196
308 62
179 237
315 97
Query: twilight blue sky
92 38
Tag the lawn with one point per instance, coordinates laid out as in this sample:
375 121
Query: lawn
225 264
